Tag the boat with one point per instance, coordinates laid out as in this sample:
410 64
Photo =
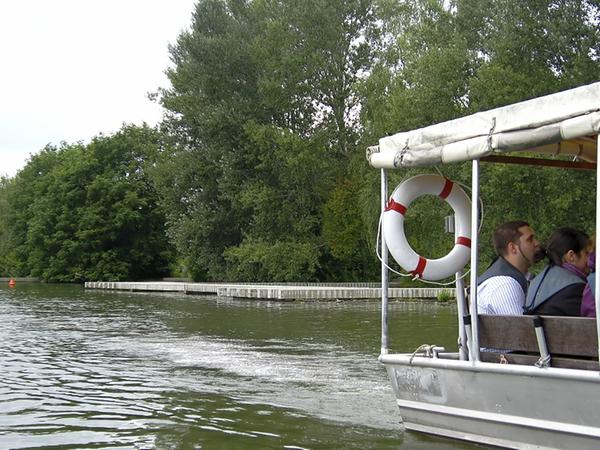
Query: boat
545 392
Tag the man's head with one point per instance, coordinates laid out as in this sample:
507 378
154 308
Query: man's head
516 242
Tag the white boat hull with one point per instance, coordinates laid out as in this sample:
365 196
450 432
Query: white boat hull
506 405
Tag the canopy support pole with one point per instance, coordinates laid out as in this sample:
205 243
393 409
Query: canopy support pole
384 270
474 347
462 309
597 273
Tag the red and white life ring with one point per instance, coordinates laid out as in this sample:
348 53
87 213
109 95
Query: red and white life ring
393 227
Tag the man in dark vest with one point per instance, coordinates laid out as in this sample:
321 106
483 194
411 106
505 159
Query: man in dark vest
503 286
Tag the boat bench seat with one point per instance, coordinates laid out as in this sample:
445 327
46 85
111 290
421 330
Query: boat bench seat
572 342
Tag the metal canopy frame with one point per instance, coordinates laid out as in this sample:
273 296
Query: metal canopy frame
468 332
521 160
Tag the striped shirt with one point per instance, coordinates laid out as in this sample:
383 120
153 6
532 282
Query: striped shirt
500 295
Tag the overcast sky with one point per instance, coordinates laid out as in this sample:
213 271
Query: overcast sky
72 69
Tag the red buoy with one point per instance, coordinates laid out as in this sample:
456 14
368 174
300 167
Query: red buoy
12 283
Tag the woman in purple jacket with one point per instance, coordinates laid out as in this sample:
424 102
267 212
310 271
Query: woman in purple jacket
588 303
558 289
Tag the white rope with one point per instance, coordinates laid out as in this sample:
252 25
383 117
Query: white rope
428 348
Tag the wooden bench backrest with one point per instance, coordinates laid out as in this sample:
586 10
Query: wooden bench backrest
567 336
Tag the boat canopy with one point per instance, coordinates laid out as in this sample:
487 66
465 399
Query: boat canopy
567 122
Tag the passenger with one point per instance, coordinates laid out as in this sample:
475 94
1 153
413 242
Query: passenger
588 302
558 289
502 287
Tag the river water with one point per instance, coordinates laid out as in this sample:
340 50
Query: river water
91 369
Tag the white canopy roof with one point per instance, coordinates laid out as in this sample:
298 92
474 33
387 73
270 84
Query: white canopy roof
563 123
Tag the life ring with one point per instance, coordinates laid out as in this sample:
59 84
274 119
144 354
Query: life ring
393 227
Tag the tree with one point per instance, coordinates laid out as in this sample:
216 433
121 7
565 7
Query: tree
213 95
263 111
80 212
8 263
532 48
313 53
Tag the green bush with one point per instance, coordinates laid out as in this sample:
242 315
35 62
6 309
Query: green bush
445 296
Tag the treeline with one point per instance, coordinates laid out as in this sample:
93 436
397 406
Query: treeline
86 212
257 172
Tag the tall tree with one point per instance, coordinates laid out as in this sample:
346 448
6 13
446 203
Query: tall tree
313 53
263 107
213 95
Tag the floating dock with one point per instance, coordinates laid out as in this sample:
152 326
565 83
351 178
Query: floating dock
291 292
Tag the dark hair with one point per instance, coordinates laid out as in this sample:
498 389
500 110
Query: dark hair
506 233
564 239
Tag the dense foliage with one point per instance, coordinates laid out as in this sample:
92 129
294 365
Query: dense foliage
81 212
271 106
448 59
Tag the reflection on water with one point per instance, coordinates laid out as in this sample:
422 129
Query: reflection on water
88 369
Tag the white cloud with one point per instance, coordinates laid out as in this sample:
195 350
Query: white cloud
72 69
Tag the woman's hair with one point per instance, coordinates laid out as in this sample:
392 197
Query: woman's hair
564 239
